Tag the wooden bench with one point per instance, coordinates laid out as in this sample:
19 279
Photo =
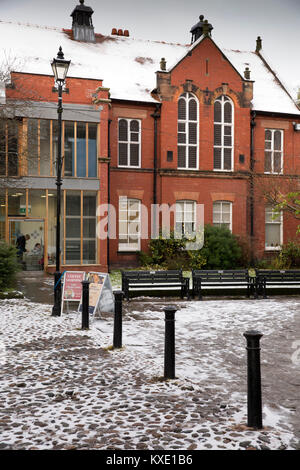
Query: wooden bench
145 280
223 278
276 279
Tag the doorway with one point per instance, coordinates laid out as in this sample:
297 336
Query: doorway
33 258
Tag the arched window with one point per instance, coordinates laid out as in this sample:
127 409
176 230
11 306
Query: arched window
129 143
223 133
188 125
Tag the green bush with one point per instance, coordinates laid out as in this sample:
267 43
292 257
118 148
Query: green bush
8 265
289 256
221 248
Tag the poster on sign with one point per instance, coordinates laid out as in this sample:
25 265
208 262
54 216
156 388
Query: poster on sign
100 293
72 287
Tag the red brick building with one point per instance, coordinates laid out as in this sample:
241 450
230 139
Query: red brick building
144 122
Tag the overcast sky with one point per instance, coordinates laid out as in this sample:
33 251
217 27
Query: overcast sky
237 23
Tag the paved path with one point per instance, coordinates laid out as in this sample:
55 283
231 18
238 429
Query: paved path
63 388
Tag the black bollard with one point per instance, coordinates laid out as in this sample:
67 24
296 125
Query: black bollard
56 310
254 379
85 305
169 370
117 341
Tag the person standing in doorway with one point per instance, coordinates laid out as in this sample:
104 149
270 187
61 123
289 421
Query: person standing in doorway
21 245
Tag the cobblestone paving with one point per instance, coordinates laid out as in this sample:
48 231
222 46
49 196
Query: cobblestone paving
64 388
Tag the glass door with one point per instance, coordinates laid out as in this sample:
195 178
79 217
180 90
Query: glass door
28 237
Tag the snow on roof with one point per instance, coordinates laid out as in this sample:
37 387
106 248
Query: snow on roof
126 65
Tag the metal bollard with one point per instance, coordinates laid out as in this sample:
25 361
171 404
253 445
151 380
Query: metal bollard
56 311
85 305
169 369
117 340
254 379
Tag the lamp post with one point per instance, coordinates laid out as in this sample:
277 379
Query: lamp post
60 68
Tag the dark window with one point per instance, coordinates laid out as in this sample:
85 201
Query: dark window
129 142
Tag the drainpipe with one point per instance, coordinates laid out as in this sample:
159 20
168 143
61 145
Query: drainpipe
108 189
156 116
253 124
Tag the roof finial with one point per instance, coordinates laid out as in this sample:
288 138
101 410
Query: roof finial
258 44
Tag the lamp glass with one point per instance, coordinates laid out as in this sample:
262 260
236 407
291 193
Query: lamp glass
60 69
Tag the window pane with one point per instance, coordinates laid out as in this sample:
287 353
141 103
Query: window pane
268 162
227 158
181 109
217 158
123 154
69 149
268 134
89 204
192 133
181 156
134 126
181 138
217 112
227 141
92 170
37 203
45 147
217 134
123 132
73 203
89 251
277 162
72 227
272 234
192 157
72 252
134 154
16 202
192 110
81 150
32 147
277 140
227 112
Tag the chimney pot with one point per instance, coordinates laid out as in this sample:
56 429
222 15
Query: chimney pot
247 73
120 32
114 31
126 32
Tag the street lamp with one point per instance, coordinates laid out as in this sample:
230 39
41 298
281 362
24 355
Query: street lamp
60 68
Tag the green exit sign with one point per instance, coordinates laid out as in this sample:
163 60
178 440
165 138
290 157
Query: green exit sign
22 210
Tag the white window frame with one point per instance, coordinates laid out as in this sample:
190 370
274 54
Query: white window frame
276 220
129 246
186 205
224 124
129 141
272 151
187 97
221 212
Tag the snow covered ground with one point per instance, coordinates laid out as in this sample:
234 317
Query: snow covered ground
64 388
